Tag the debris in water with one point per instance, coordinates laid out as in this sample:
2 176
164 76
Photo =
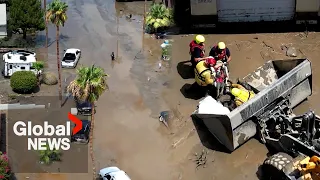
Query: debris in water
291 52
201 159
129 16
164 117
150 52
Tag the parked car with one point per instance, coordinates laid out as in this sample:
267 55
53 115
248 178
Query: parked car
83 107
71 58
113 173
83 135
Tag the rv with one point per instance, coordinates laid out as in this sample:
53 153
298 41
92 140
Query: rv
18 60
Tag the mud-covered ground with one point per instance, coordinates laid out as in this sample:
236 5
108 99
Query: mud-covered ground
128 133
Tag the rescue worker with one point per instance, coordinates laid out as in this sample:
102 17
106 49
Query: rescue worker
197 50
221 52
203 72
241 94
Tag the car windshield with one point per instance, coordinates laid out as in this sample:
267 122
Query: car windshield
70 56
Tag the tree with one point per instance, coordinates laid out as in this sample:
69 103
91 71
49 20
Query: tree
48 156
57 15
26 15
159 16
88 86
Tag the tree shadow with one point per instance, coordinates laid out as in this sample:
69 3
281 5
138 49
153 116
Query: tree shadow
192 91
61 37
207 139
185 69
41 40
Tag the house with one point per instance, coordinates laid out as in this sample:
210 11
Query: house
3 20
232 11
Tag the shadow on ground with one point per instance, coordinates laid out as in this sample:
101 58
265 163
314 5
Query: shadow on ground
185 69
206 138
61 38
192 91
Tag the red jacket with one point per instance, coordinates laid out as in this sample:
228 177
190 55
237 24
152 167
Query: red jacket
193 45
222 55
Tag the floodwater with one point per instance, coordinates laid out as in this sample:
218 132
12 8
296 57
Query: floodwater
128 133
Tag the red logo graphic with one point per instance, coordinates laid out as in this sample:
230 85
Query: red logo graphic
77 121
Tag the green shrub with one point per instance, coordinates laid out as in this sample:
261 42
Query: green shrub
23 81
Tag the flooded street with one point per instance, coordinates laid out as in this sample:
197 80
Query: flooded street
127 132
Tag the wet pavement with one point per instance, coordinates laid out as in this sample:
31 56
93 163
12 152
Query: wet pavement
128 133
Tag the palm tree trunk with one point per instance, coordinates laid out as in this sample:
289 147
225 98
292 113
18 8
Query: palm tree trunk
58 64
46 22
91 142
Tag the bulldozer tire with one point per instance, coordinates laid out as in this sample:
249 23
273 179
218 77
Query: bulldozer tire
273 166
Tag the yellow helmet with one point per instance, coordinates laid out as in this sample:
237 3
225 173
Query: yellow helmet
199 39
236 92
221 45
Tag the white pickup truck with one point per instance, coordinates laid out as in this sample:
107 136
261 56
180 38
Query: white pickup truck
113 173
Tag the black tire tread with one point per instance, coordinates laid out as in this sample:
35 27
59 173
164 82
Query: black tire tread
273 165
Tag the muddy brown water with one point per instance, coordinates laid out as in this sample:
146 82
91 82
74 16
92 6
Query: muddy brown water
128 133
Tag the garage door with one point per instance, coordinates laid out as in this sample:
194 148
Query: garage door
255 10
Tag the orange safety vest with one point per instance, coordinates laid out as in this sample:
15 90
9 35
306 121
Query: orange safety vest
193 45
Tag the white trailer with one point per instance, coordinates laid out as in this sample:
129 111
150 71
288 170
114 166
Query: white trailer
18 60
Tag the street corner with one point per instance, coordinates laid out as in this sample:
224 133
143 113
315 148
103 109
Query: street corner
40 136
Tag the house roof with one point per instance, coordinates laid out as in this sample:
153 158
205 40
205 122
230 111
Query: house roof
3 14
19 58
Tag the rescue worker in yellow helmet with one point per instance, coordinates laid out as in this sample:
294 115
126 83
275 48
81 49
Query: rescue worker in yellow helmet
241 94
221 52
203 73
197 50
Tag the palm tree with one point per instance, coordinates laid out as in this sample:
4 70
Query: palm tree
88 86
159 16
48 156
57 15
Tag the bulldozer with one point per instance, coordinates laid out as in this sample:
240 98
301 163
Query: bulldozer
279 86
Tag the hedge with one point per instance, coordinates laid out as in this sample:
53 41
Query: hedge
23 81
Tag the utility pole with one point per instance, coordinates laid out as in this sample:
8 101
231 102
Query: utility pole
144 23
118 14
46 22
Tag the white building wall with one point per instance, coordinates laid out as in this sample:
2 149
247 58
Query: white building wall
3 20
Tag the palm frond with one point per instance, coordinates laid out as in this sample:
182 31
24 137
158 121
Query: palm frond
56 12
89 84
